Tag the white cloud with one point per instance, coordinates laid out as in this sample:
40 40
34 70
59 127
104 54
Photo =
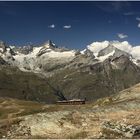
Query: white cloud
122 36
124 46
67 26
136 52
97 46
51 26
138 18
139 25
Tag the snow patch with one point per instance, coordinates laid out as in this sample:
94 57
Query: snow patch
136 52
1 49
102 58
31 61
83 51
53 54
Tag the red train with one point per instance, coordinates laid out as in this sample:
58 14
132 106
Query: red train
71 102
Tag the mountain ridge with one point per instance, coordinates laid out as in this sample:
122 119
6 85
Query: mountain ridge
36 54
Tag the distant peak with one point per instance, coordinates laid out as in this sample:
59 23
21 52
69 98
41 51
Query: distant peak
3 47
49 44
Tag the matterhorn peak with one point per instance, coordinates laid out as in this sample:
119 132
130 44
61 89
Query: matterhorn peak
49 45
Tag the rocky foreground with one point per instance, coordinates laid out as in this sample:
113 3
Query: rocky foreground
116 116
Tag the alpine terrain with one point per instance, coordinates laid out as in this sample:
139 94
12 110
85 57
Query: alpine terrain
33 78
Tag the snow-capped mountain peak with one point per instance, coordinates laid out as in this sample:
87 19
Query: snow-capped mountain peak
49 45
106 47
110 48
43 56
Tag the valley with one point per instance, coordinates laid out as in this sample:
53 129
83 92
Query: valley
116 116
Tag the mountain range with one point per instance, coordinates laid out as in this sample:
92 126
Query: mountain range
48 73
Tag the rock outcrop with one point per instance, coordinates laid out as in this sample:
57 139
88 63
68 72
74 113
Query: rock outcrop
120 130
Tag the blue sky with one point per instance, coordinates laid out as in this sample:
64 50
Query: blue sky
70 24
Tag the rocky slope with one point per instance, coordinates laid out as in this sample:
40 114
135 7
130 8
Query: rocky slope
113 117
96 80
25 85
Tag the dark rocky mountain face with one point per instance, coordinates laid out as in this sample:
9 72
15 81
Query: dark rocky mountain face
89 53
97 80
